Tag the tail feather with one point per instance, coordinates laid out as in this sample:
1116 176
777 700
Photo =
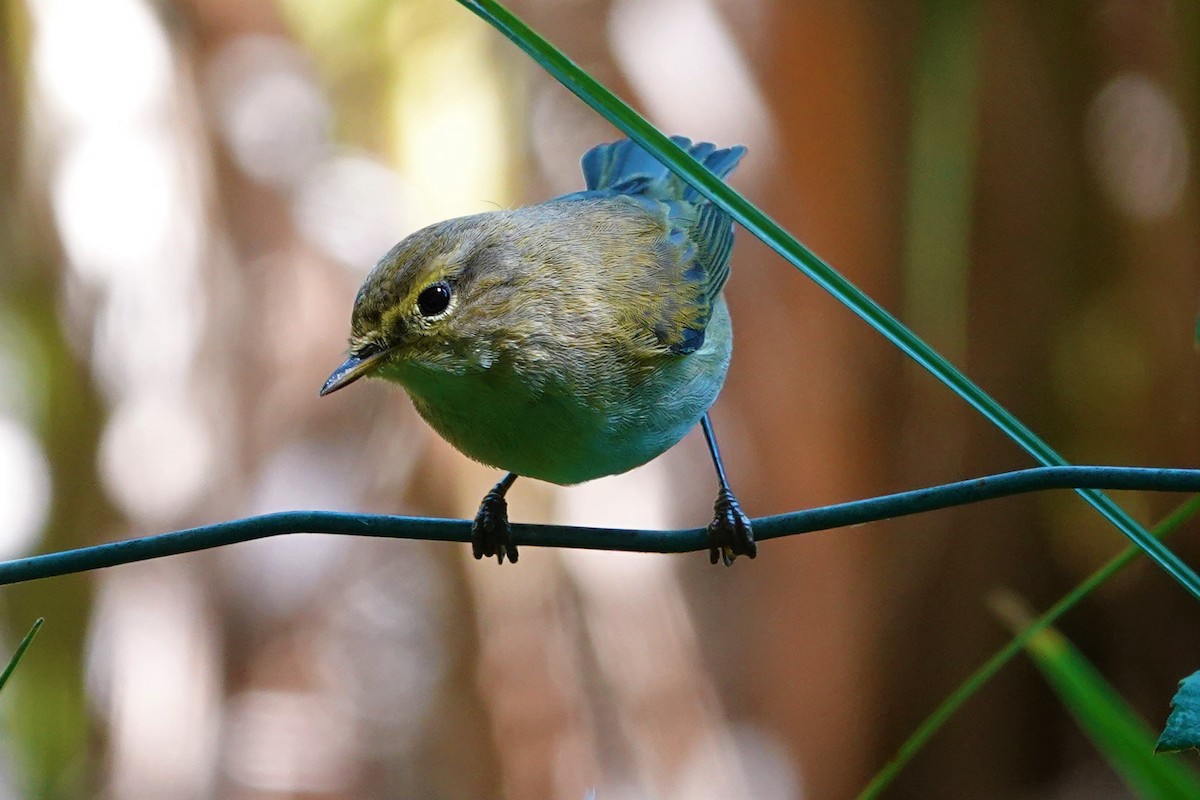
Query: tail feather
626 167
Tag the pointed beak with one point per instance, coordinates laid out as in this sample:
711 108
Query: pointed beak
351 370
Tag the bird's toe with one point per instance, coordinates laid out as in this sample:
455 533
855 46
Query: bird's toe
491 535
730 534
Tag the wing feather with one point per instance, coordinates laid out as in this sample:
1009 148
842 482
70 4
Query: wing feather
696 247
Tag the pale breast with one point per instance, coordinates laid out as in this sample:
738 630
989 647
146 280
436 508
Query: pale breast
537 427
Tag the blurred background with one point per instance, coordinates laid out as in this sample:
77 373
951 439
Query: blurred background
191 192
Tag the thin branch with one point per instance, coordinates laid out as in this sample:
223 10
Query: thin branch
676 541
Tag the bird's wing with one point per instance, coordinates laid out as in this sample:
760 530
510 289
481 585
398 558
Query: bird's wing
694 259
682 261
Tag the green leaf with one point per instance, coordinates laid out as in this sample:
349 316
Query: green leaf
1125 740
774 236
12 664
1183 725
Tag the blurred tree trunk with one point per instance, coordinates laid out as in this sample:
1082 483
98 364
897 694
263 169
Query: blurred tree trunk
49 717
812 385
1024 181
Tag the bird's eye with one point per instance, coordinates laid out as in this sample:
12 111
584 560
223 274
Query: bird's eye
434 299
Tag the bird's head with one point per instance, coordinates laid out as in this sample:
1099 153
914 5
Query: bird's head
429 304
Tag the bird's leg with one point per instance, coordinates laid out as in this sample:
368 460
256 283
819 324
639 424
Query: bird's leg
729 534
490 531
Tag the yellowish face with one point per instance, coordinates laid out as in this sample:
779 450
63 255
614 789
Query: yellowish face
408 309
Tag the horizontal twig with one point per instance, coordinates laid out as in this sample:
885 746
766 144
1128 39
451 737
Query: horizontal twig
643 541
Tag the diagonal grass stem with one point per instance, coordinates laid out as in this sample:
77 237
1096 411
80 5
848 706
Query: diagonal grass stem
986 671
774 236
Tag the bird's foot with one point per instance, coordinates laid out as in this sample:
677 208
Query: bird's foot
729 534
491 535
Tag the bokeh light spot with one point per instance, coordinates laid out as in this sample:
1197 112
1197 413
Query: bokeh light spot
353 207
97 61
1139 146
269 109
24 489
114 201
155 457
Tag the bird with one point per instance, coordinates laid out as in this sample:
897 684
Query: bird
564 341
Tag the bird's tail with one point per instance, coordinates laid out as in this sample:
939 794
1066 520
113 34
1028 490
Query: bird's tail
627 168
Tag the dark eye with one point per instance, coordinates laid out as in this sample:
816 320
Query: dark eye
433 300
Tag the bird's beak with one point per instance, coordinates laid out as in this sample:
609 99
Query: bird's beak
351 370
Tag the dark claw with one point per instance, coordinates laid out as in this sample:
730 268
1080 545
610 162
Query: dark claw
491 534
729 534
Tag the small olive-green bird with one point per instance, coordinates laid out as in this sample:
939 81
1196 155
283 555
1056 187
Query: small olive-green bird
565 341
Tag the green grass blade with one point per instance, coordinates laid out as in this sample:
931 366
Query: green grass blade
986 671
773 235
1125 740
941 172
12 664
